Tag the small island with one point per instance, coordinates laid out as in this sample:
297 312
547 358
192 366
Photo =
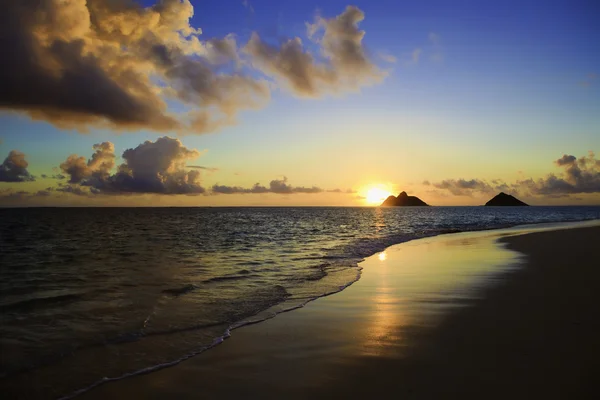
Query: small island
503 199
403 200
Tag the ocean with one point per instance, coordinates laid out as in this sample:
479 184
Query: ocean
89 295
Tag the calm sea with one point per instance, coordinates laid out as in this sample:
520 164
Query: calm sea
90 294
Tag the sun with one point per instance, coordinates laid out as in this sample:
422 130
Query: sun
376 195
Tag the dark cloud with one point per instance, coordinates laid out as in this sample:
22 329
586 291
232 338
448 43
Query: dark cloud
565 160
209 169
14 168
151 167
133 60
56 176
50 55
347 191
222 189
345 66
52 49
580 176
462 187
278 186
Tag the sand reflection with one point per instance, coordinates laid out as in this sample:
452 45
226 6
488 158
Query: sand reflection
415 283
382 331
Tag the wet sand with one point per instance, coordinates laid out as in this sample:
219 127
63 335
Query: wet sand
455 316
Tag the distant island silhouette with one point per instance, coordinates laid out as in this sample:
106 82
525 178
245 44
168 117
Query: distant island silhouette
403 200
503 199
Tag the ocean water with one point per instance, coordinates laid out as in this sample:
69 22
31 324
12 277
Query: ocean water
90 295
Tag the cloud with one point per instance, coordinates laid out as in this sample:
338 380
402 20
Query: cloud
580 176
247 4
222 189
56 176
14 168
346 65
503 187
462 187
278 186
387 57
434 38
98 166
589 80
347 191
437 55
43 193
129 59
209 169
415 55
75 189
11 194
151 167
135 61
565 160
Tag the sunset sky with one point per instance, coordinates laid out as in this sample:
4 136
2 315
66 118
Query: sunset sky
231 102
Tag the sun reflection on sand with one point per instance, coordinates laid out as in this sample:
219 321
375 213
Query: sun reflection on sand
416 282
383 331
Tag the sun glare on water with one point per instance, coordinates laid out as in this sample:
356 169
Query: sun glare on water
376 195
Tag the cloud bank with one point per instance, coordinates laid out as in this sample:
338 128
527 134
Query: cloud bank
151 167
157 167
278 186
463 187
580 176
115 64
14 168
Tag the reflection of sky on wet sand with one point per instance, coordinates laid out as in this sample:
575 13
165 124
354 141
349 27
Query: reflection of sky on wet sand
414 283
385 318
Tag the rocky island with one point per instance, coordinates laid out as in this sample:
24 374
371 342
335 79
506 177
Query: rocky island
503 199
403 200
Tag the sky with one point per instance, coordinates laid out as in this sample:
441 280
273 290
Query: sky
252 103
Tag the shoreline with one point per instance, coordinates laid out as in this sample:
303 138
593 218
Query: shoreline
275 311
272 328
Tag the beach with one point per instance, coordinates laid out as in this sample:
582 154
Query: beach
475 315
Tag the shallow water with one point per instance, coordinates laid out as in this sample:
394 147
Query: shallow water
92 293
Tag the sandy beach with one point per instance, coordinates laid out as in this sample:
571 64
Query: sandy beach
469 315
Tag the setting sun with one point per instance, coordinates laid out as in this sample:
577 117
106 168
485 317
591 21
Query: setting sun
376 195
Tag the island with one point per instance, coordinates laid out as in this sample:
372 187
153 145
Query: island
403 200
503 199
